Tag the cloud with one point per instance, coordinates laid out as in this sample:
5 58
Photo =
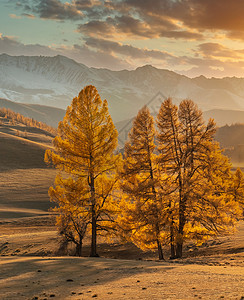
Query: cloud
200 15
186 19
51 9
125 18
30 16
129 51
212 14
97 28
215 60
80 53
177 19
100 59
214 50
94 52
12 46
59 10
13 16
124 27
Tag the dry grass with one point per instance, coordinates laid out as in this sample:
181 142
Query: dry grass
25 192
24 176
21 148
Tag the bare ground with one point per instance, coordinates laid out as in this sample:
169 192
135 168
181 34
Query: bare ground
86 278
31 269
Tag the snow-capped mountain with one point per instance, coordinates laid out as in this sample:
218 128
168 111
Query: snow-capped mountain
54 81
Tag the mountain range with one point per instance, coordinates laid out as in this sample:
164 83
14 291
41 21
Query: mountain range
54 81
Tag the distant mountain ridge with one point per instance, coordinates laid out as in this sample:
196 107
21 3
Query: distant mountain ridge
55 81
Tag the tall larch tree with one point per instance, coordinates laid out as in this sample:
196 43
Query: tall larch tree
85 151
143 211
201 174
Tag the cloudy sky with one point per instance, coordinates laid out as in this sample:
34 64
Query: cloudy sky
192 37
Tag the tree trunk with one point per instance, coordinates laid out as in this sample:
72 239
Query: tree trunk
160 251
172 246
172 238
179 245
94 236
94 219
78 251
63 249
182 221
172 251
179 250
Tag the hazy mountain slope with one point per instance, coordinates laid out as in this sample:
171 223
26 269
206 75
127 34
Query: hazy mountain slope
223 117
41 113
230 136
56 80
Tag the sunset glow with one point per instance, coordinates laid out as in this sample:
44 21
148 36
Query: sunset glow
191 37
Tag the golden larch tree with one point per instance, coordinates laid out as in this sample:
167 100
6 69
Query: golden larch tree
200 173
85 153
143 209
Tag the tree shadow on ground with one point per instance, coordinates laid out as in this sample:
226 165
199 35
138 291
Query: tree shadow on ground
30 277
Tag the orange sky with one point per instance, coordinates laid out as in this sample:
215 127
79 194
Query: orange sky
192 37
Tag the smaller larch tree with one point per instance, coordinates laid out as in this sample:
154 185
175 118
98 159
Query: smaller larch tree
143 209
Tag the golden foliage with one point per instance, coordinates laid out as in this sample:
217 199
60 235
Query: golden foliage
84 149
200 172
144 217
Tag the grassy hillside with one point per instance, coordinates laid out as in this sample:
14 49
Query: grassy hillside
24 176
46 114
20 153
231 138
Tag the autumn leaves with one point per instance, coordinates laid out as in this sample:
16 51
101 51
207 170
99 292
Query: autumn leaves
177 183
172 184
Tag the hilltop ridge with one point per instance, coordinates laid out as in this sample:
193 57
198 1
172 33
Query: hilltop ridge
55 81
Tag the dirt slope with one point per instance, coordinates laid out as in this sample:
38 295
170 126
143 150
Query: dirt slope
24 176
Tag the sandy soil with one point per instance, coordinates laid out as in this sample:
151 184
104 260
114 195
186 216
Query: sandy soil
30 271
86 278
